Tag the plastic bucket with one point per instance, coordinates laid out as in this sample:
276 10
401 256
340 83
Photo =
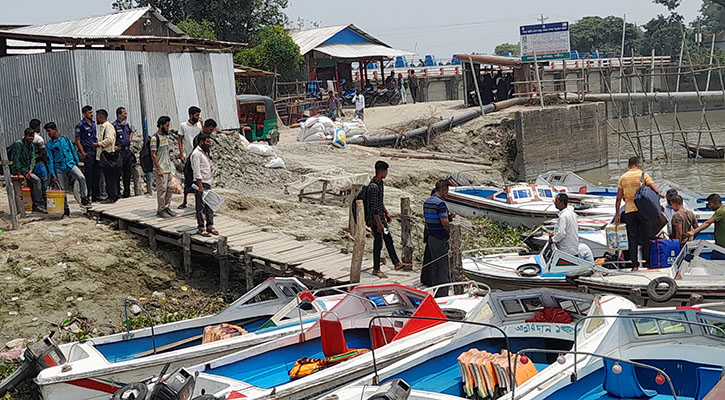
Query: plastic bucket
56 202
213 200
27 201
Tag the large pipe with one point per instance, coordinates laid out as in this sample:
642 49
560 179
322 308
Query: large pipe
438 127
653 96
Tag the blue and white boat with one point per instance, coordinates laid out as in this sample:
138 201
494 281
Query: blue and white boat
99 366
436 370
658 354
339 344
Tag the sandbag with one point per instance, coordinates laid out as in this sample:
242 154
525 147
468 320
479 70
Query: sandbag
261 149
339 138
276 162
315 137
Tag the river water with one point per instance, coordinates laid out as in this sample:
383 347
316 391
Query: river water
701 175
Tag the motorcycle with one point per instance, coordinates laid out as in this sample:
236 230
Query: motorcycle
383 94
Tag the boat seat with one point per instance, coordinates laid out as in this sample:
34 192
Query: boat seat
332 338
707 378
382 335
625 384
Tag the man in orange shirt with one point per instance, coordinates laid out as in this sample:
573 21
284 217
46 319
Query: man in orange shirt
639 229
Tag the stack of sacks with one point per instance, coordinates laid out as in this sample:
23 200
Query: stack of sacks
316 128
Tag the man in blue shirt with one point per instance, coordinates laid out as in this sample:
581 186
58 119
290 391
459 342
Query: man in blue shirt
124 137
435 269
63 163
86 138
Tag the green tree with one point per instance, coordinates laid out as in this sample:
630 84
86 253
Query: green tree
202 30
711 18
503 48
233 20
273 50
603 34
664 35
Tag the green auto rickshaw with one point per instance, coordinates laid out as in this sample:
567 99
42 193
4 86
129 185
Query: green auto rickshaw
257 118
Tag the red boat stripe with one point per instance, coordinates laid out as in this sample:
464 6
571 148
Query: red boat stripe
95 385
236 395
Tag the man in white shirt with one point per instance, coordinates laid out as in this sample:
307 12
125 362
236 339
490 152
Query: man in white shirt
359 101
187 132
203 174
566 233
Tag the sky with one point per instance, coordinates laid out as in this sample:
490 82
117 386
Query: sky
424 26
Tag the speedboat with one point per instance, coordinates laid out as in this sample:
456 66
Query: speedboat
570 182
392 319
512 268
697 274
515 321
650 353
515 205
99 366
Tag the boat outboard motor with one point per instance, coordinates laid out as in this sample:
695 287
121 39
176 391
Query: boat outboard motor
37 356
179 385
397 389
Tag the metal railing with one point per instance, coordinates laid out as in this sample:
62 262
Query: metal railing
547 351
128 322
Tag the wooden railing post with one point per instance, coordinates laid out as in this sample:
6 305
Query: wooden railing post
186 250
359 246
455 260
222 251
405 230
248 268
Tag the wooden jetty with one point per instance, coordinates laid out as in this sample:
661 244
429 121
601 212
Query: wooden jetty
256 248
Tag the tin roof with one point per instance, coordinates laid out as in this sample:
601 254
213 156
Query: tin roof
360 50
114 24
309 39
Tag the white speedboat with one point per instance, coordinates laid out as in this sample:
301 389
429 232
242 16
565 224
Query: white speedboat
336 349
439 369
508 269
97 367
650 353
516 205
697 273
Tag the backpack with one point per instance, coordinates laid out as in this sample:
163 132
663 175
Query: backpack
362 195
147 162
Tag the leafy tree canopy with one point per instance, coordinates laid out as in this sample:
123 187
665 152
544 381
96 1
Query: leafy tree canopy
503 48
603 34
233 20
273 50
202 30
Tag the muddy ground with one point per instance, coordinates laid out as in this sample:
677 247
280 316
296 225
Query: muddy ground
50 268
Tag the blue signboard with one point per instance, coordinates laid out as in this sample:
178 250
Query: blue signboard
546 41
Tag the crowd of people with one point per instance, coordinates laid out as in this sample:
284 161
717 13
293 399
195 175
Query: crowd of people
104 148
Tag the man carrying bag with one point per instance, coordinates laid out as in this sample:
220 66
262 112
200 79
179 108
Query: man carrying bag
641 209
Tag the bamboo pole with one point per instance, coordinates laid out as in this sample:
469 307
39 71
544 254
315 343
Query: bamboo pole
621 53
536 72
699 98
405 230
8 180
619 115
359 245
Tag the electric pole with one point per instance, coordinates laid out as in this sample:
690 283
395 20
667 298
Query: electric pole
542 19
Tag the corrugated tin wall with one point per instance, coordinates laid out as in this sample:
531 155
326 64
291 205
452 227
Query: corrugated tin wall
182 73
39 86
54 87
222 68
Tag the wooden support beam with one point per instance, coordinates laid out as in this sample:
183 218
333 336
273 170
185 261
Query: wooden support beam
122 224
455 260
222 251
359 246
151 233
8 181
248 268
350 200
406 240
186 244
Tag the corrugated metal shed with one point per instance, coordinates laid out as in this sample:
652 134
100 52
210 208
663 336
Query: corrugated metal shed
204 80
114 24
311 38
226 88
54 87
182 73
39 86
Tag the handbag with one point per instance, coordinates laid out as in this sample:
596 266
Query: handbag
110 160
647 201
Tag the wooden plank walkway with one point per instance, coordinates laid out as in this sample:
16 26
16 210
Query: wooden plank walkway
277 253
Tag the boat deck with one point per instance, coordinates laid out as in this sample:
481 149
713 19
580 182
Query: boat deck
256 247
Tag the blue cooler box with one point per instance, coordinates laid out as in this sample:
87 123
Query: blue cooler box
663 252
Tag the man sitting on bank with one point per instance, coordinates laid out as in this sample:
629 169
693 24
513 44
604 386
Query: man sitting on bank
22 154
